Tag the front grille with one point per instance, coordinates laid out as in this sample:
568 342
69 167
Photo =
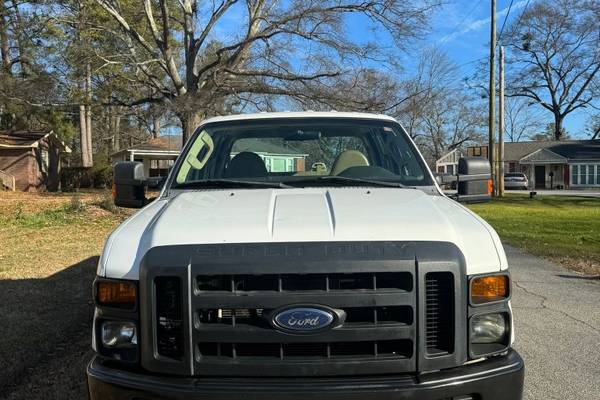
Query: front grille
360 316
439 313
304 282
212 313
169 317
232 322
288 351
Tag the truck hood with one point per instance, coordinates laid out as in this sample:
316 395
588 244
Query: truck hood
300 215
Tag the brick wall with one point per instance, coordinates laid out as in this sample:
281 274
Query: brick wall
23 165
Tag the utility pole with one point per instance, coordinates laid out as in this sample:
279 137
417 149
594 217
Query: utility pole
501 127
492 96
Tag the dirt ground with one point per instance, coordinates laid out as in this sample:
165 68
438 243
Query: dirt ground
49 249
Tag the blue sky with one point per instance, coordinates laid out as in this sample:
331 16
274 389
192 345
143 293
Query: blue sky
462 29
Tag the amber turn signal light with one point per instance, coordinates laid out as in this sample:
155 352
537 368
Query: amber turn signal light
116 294
487 289
490 186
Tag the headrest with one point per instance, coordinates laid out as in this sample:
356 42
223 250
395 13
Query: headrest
347 159
246 165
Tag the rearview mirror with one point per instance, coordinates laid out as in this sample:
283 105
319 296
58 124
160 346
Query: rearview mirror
473 181
129 189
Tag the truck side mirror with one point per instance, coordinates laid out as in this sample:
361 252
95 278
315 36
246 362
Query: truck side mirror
474 180
129 188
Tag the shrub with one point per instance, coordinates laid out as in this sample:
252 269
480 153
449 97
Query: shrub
101 175
76 204
107 203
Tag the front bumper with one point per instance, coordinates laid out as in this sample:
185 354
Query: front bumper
499 378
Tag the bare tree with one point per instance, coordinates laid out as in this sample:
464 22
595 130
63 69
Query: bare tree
522 121
180 58
555 56
593 126
450 122
434 77
438 112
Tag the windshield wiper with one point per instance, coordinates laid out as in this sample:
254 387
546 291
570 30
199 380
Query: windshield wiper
228 184
326 180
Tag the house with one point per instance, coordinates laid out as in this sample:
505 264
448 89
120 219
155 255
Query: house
277 158
448 163
159 154
31 160
551 164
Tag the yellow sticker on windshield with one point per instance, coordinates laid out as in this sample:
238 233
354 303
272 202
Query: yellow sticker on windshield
203 144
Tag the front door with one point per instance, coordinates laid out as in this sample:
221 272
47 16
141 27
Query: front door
540 176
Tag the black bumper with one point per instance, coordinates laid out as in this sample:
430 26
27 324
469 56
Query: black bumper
499 378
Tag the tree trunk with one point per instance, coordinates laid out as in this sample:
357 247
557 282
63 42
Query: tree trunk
85 160
88 113
558 131
117 131
21 46
4 44
155 127
189 122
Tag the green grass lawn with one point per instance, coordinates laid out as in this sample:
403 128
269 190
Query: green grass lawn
566 229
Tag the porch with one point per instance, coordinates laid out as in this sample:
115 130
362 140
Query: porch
545 170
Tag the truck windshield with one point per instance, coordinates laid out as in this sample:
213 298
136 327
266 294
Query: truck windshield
300 153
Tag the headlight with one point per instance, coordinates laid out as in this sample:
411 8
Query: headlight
489 328
489 334
118 334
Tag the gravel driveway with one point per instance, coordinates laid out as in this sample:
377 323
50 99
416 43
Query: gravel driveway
557 316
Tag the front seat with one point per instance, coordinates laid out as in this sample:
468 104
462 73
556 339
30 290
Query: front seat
348 159
246 165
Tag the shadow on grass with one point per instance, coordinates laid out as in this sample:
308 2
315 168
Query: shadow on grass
45 332
549 200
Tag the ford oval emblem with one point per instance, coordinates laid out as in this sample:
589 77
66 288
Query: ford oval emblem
303 319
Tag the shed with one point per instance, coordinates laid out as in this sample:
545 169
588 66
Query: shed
31 160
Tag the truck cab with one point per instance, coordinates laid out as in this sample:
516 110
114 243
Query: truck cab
309 254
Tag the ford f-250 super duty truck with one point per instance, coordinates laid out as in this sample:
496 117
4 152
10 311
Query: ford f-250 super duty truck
303 255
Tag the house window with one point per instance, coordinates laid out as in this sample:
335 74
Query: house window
575 175
582 175
585 174
590 174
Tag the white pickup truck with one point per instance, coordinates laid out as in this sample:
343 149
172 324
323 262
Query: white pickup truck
303 255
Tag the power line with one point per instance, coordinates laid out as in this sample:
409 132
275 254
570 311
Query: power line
464 19
518 20
504 22
523 12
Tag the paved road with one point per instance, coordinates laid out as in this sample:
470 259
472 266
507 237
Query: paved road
557 320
